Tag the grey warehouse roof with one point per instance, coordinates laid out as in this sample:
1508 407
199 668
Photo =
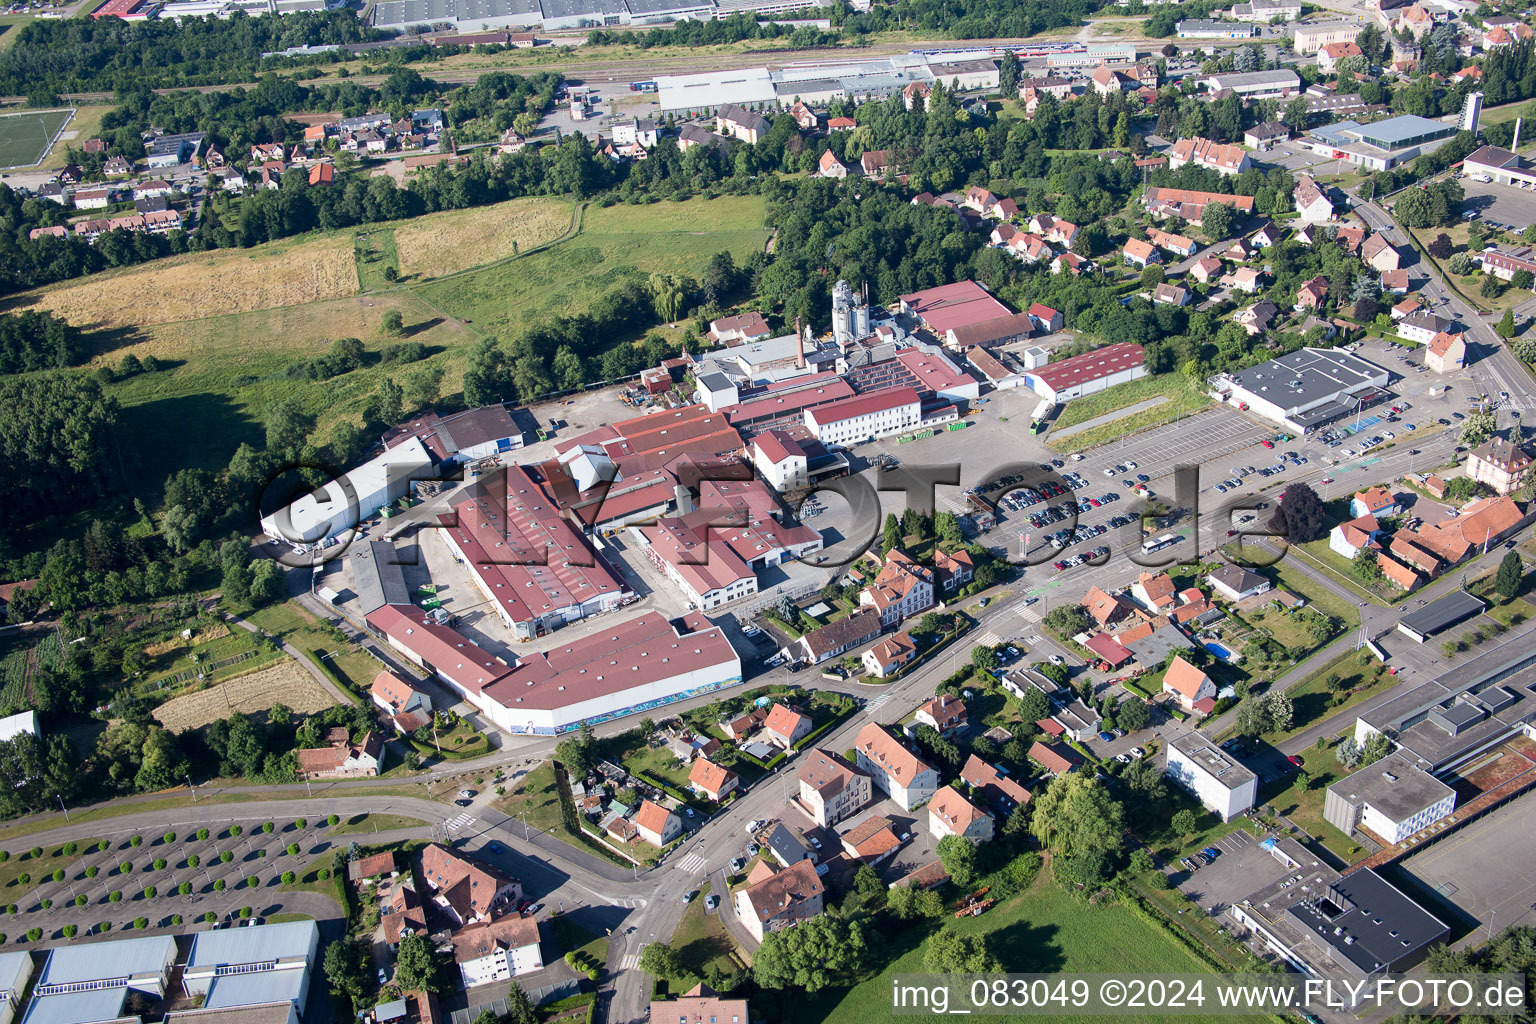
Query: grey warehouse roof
1398 131
378 576
1307 375
1454 607
293 940
89 1007
234 990
103 961
1381 924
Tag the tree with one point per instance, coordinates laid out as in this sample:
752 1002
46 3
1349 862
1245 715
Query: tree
1477 428
1133 715
1183 822
660 960
1152 275
346 967
392 323
1461 263
1491 288
520 1008
578 753
1522 279
416 965
1299 516
1034 706
1076 814
1296 114
983 657
1506 582
1365 566
958 856
951 953
1008 74
907 902
1506 328
891 535
823 952
1441 248
1218 221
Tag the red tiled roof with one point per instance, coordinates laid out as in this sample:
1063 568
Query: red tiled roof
1089 366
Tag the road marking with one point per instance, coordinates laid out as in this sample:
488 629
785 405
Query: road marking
630 962
692 863
988 639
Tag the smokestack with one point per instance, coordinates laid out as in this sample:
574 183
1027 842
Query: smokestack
1514 147
799 345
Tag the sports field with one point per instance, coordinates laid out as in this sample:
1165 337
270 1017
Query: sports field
26 137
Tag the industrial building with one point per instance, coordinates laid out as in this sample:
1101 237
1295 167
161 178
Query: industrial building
1090 372
238 967
340 504
1322 923
1256 85
1214 777
1492 163
629 668
463 436
1381 145
1313 37
89 983
1197 28
1393 798
15 973
1451 610
1305 389
866 417
819 82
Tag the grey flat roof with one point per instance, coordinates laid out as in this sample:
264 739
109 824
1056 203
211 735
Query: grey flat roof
715 381
103 961
254 945
1457 606
14 966
1153 649
1307 376
1249 79
263 1013
1395 786
477 426
577 8
89 1007
231 991
1381 923
1214 761
665 6
1395 132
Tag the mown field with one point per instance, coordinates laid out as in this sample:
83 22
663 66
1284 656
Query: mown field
1180 394
228 326
286 683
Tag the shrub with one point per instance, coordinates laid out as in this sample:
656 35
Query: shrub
24 878
168 838
301 823
288 877
5 855
58 876
140 923
210 917
34 934
267 827
226 857
201 833
332 820
70 931
68 849
159 864
185 888
116 896
218 885
176 920
35 852
135 841
245 911
235 830
103 846
293 849
323 874
150 892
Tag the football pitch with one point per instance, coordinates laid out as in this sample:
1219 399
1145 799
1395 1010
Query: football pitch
26 137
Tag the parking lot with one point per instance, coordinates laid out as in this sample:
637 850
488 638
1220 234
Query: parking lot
1502 204
1241 867
1487 871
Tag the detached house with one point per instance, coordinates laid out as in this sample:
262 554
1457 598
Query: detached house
992 785
712 781
944 713
1446 352
1311 201
1313 293
407 707
831 167
1188 684
497 951
875 163
951 814
1379 254
1141 253
902 589
1348 539
785 727
837 638
1374 501
1176 244
893 769
889 655
655 824
341 758
1500 464
465 890
1156 592
737 122
784 898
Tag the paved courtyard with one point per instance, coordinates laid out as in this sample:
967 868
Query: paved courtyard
1487 871
1505 204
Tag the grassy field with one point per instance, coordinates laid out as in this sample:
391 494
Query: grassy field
1283 574
699 940
87 124
21 862
535 800
287 621
614 245
445 243
286 683
1042 930
370 823
1181 394
24 136
1305 806
374 250
571 937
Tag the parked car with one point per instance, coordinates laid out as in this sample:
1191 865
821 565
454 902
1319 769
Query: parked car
711 901
1107 737
690 895
1057 659
737 864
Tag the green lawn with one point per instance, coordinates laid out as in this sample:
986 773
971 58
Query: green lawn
1305 806
617 244
1183 398
1042 930
1287 576
1315 700
352 667
700 939
369 823
203 654
536 797
571 937
375 251
53 858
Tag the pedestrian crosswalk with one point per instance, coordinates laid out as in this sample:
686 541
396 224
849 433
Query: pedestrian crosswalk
988 639
692 863
630 962
878 702
1029 614
459 822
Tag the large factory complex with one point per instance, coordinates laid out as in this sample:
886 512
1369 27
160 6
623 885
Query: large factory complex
691 493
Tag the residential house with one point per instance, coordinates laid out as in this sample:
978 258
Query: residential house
1406 551
1072 263
951 814
407 707
1399 575
782 899
837 638
1045 318
497 951
1501 464
831 789
151 188
737 122
1267 235
1374 501
742 726
1103 609
1482 524
1446 352
944 713
915 95
655 824
1264 136
875 163
1141 253
1239 251
831 167
1188 684
1206 269
893 769
262 152
889 655
1202 152
978 199
902 588
788 847
699 1005
1156 592
467 891
116 167
712 781
741 329
1395 282
1179 245
1171 295
1312 202
1350 538
1379 254
955 569
1406 308
1245 279
1003 234
1235 583
340 758
322 174
842 124
1422 327
1329 56
1054 758
1349 238
786 727
1313 293
805 117
992 785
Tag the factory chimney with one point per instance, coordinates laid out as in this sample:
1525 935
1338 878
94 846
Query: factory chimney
799 345
1514 147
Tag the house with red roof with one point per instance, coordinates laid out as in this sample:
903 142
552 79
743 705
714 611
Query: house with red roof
655 824
992 785
1187 683
1104 610
1054 758
785 726
1348 539
951 814
340 758
893 769
712 781
1374 501
889 655
944 713
1403 577
1156 592
1141 253
1046 318
406 706
1108 650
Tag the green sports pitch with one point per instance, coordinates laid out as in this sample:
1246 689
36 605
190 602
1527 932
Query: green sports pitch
26 137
